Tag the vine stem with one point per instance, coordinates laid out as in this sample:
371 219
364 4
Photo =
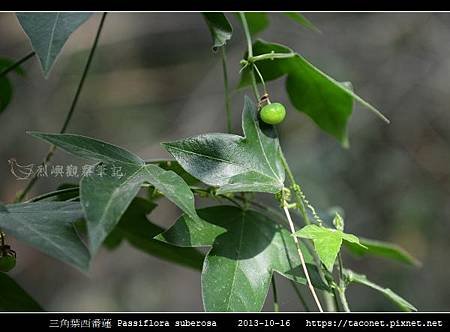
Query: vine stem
302 259
276 305
17 64
301 206
69 115
286 210
300 203
247 35
249 53
227 93
343 299
270 56
342 285
255 68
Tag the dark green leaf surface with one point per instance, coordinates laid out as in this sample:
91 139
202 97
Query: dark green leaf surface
139 232
395 298
48 32
105 197
257 22
49 227
234 163
327 102
246 248
382 249
327 242
89 148
14 298
219 27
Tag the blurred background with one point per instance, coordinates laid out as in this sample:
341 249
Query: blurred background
154 78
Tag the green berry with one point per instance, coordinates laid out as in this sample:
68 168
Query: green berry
7 263
273 113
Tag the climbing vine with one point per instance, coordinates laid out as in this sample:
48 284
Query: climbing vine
248 242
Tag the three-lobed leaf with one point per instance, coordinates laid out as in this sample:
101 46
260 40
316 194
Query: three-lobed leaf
49 227
327 242
108 191
219 27
400 302
15 298
231 162
327 102
48 32
247 247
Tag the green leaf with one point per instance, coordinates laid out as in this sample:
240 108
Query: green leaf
395 298
232 162
6 90
139 232
302 20
327 102
48 32
247 247
14 298
382 249
219 27
105 196
257 22
88 148
49 227
327 242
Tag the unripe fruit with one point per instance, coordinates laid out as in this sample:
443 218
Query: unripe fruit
273 113
7 263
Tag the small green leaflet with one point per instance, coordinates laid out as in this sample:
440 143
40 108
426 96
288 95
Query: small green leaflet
219 27
14 298
231 162
105 197
327 242
247 247
382 249
327 102
48 32
353 277
49 227
135 228
6 89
